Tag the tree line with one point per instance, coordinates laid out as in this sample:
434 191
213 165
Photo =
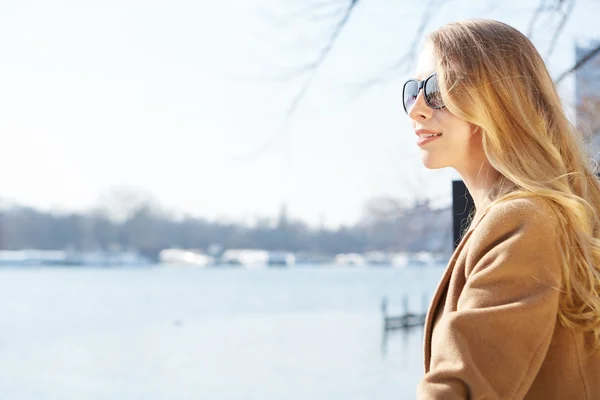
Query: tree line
148 230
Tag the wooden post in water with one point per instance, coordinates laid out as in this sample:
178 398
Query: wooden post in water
405 320
384 303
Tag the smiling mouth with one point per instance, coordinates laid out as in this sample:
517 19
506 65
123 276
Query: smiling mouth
425 138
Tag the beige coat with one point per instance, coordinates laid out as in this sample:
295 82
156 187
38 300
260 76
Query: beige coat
491 330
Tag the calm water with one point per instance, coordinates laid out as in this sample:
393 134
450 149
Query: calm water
300 333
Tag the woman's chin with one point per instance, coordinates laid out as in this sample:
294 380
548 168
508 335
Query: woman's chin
430 162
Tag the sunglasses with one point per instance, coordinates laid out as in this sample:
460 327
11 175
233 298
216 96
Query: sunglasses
431 93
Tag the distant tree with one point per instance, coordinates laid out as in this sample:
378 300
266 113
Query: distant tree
148 231
121 203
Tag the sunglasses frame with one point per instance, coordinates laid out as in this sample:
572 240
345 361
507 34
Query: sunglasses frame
420 85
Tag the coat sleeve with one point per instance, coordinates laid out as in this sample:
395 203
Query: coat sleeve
493 344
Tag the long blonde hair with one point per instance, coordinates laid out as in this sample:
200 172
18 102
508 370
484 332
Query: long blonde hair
492 76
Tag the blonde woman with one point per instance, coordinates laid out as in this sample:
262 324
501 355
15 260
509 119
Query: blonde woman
517 312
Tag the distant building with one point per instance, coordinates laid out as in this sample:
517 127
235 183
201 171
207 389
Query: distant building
350 259
185 257
587 97
35 257
249 258
281 259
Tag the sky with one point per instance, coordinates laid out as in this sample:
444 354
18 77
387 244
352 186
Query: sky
185 101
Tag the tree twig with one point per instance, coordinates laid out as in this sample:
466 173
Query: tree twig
311 71
412 51
565 16
536 15
582 61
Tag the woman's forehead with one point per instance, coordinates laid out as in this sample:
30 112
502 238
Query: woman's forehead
426 63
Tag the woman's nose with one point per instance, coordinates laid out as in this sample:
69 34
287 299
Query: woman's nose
419 109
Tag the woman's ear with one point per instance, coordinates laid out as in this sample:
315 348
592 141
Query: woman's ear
476 130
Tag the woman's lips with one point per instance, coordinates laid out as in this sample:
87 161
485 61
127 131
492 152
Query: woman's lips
421 141
426 136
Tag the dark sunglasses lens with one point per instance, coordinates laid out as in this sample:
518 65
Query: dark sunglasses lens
409 94
433 94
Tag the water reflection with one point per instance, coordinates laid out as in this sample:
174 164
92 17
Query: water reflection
406 336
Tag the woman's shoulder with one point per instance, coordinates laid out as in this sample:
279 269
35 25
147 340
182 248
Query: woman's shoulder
532 220
524 230
531 211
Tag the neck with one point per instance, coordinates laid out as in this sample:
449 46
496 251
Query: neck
480 182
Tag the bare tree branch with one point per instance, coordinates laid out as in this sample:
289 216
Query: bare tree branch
313 8
311 70
321 58
314 12
557 14
536 15
565 16
583 60
355 89
411 54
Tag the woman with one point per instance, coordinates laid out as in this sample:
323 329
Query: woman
517 313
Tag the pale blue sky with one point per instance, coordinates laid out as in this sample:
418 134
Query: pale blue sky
170 97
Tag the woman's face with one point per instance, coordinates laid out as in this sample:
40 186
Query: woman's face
459 145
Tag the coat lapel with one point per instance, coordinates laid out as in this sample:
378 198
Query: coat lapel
441 290
435 302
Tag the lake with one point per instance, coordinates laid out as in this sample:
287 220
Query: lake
181 333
